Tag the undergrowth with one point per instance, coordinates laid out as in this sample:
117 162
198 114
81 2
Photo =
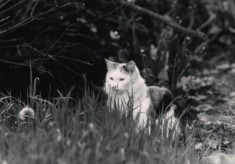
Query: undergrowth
68 130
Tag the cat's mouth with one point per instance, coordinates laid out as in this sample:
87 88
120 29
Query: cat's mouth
117 91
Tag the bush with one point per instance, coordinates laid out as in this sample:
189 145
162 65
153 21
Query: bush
66 41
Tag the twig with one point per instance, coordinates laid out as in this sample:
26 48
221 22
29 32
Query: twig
22 23
205 43
109 13
76 60
33 17
209 21
232 30
51 47
163 19
3 19
14 63
31 14
5 3
9 8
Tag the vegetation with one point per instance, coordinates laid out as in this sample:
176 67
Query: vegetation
67 40
65 130
186 45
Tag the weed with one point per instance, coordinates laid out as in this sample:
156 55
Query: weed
65 130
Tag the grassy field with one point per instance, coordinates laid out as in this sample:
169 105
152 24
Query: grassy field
66 131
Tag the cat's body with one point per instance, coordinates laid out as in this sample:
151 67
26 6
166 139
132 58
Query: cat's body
131 91
127 89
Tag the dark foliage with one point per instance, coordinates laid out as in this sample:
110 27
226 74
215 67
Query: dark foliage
65 42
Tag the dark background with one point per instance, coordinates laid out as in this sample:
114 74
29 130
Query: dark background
65 42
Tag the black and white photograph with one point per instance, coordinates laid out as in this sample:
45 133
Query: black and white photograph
117 82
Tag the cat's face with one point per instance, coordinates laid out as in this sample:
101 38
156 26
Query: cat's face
120 76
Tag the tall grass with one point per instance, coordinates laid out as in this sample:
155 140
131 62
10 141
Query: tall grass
68 130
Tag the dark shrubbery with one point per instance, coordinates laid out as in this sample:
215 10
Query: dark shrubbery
66 41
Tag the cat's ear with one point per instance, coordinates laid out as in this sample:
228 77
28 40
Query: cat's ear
130 66
111 65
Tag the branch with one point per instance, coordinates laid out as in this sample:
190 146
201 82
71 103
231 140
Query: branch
208 22
205 43
163 19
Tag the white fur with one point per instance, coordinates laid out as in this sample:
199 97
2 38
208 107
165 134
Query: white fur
133 88
170 123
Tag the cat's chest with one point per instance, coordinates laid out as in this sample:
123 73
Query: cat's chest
126 102
120 102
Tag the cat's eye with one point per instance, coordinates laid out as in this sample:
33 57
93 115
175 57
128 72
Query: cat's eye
121 79
111 78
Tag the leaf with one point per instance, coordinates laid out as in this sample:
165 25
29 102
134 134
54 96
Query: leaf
214 29
198 97
223 67
204 108
188 83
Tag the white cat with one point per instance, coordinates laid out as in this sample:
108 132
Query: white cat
126 90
